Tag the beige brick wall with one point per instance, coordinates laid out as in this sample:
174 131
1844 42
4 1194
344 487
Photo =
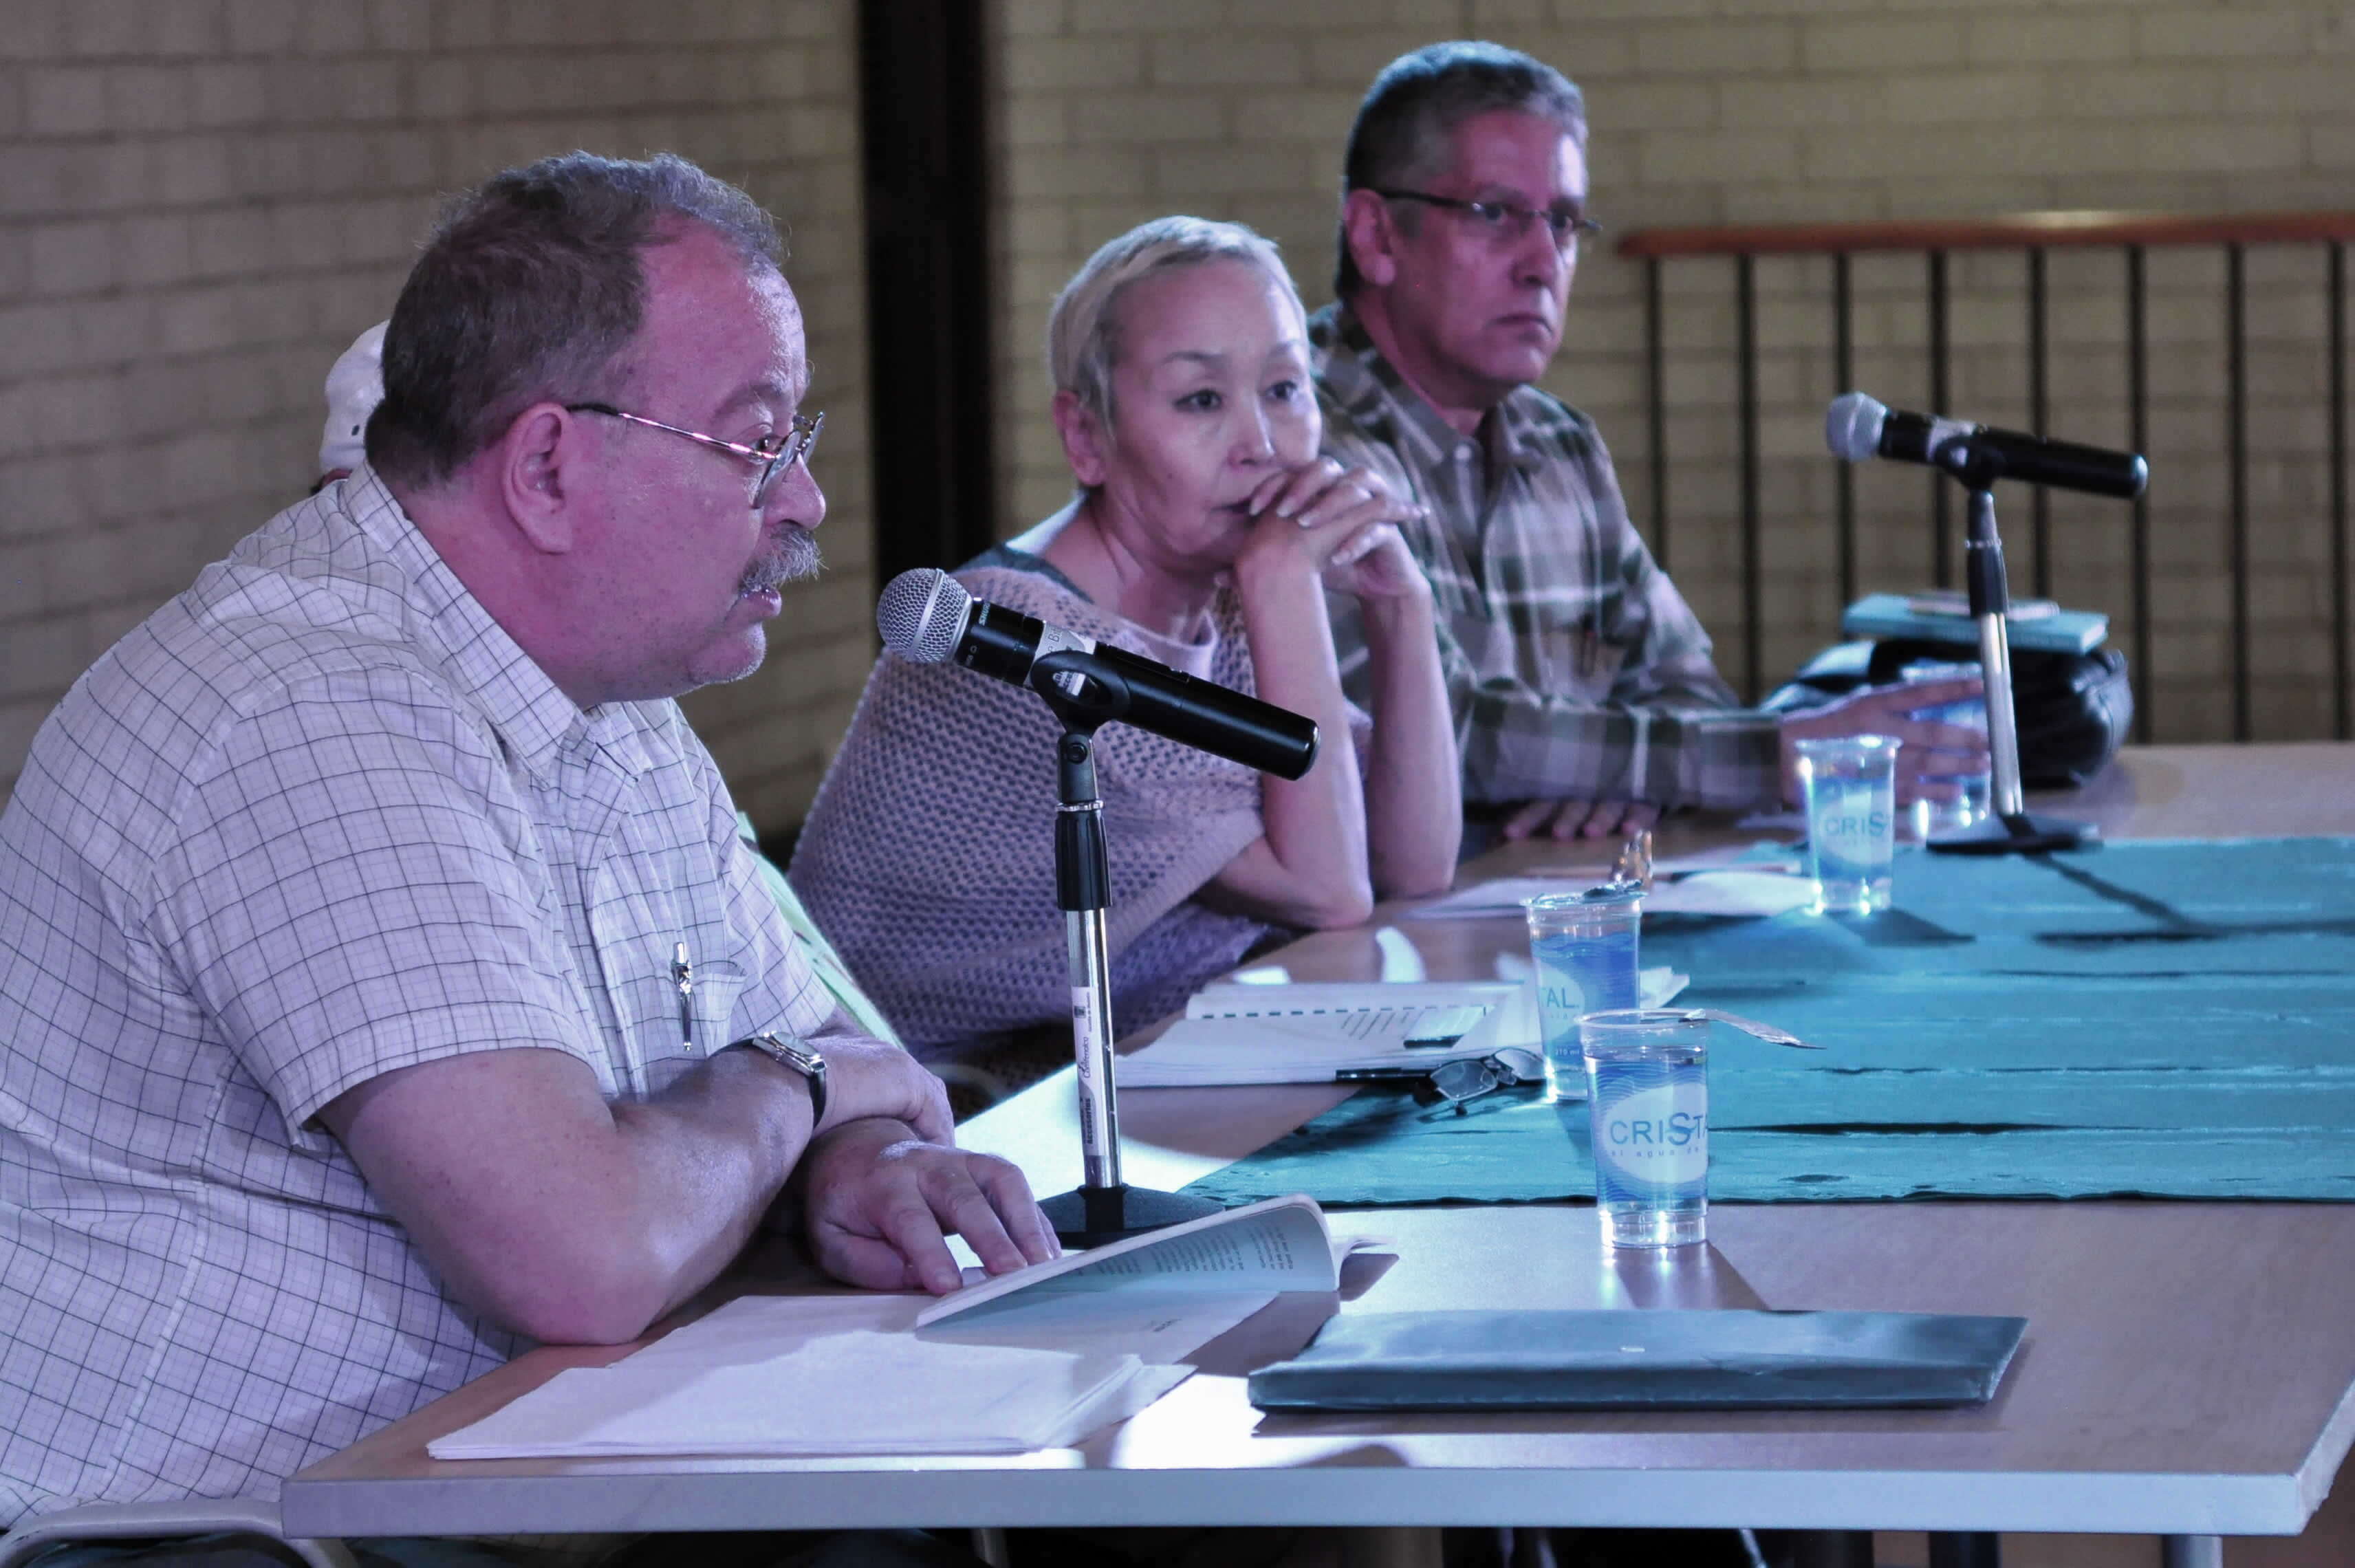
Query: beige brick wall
202 201
1775 110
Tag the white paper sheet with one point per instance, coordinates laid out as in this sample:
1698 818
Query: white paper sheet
1732 892
855 1393
796 1375
1722 893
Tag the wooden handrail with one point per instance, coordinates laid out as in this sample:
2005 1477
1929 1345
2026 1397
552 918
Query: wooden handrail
2025 231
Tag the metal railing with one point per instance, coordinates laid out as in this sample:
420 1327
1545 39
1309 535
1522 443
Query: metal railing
2133 237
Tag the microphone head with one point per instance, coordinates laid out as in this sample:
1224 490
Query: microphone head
922 613
1852 427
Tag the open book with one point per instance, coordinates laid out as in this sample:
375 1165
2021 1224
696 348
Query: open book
1038 1359
1276 1244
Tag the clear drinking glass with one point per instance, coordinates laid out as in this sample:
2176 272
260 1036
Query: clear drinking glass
1648 1113
1935 816
1851 794
1584 949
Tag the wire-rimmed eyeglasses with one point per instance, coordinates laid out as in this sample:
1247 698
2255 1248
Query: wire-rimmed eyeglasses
1503 223
1468 1078
773 454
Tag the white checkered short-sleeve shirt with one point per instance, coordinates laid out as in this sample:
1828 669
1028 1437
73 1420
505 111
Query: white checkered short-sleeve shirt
317 819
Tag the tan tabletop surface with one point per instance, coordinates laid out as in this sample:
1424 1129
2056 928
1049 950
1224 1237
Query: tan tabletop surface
2188 1369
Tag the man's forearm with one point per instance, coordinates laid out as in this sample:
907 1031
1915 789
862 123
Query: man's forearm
1520 745
721 1143
563 1216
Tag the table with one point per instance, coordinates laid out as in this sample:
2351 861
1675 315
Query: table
2189 1370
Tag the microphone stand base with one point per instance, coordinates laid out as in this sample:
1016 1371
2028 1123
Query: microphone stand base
2019 833
1091 1216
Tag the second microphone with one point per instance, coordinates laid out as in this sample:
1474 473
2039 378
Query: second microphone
927 617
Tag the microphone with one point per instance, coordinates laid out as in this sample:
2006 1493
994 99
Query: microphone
1856 428
927 617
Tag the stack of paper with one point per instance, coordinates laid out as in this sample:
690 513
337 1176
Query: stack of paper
1036 1359
860 1391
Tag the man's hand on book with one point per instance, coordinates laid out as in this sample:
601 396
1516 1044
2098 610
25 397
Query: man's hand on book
880 1202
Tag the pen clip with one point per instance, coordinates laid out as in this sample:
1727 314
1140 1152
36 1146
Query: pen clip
682 974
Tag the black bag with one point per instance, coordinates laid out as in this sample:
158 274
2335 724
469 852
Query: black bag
2073 710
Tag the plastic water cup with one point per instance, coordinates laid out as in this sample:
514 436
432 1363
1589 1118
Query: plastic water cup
1648 1113
1584 949
1931 817
1851 794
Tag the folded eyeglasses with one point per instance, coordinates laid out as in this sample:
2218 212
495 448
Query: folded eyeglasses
1467 1078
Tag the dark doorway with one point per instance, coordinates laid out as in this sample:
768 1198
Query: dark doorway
928 297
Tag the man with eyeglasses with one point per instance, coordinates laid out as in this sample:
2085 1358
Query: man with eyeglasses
1584 696
385 986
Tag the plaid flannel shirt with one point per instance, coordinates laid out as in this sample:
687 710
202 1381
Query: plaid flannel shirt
1575 669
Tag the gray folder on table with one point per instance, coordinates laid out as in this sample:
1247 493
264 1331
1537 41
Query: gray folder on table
1642 1359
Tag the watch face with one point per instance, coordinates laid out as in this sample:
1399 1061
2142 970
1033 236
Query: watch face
794 1054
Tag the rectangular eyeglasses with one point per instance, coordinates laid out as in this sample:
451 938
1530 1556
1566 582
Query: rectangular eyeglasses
772 455
1503 223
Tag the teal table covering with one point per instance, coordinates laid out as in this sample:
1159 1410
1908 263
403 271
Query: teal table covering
2170 1019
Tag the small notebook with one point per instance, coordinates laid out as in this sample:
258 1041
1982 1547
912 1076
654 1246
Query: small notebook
1896 615
1642 1361
1310 1033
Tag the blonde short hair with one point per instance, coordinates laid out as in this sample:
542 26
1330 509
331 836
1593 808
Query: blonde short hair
1083 329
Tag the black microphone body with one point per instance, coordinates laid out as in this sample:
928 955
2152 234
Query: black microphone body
922 618
1856 427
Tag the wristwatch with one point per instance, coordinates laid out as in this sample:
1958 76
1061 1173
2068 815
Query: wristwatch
786 1051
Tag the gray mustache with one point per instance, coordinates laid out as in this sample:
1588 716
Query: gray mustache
794 557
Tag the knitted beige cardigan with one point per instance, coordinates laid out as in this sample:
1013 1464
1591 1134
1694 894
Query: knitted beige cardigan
928 855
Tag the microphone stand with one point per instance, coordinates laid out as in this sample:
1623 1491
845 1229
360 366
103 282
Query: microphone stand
2009 830
1084 693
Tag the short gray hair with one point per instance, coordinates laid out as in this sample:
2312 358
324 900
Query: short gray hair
1083 327
531 291
1404 129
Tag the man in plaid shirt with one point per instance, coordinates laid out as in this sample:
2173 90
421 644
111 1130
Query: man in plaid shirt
1583 693
383 983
